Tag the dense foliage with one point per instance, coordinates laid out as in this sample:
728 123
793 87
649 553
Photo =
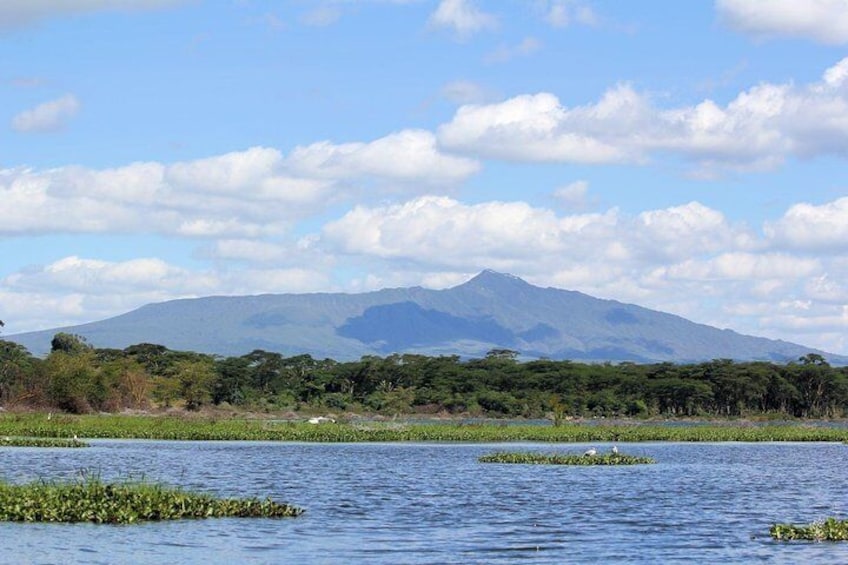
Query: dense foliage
526 458
91 500
78 378
829 529
201 428
7 441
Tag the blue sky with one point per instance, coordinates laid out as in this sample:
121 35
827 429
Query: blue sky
684 156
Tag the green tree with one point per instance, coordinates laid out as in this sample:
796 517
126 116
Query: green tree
20 375
69 343
196 379
72 383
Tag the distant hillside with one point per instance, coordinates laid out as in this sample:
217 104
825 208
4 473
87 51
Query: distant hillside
492 310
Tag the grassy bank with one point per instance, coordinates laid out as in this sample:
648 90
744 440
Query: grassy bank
90 500
192 428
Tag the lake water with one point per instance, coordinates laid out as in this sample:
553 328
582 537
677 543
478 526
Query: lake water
434 503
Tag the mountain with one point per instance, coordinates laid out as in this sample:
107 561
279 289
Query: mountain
492 310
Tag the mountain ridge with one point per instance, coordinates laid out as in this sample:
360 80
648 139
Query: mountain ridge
491 310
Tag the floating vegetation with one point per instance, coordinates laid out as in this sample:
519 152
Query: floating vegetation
90 500
830 529
7 441
177 428
528 458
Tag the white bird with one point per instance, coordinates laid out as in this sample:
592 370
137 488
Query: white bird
614 450
591 452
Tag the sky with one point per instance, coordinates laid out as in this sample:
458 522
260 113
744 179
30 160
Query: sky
689 157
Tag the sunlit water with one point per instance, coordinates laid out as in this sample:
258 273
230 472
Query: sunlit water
434 503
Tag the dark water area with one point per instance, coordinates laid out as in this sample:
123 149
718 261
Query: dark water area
434 503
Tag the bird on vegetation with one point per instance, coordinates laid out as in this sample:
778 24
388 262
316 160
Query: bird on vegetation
614 450
591 452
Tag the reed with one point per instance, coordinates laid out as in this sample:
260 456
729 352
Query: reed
91 500
177 428
830 529
7 441
528 458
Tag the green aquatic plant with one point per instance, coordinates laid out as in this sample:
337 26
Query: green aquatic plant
829 529
529 458
7 441
91 500
201 429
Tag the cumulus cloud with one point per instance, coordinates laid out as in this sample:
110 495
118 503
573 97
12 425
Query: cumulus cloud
758 129
825 21
440 230
525 128
19 13
49 116
404 156
463 17
817 228
248 193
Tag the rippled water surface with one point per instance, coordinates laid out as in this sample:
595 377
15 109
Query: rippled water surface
434 503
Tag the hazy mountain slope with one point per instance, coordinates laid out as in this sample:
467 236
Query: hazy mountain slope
491 310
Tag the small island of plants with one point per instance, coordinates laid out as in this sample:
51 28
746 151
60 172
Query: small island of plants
7 441
92 500
830 529
528 458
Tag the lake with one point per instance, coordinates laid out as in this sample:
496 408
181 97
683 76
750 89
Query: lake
434 503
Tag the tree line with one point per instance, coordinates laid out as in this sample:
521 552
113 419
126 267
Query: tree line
78 378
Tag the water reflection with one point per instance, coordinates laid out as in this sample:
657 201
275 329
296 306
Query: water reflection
433 503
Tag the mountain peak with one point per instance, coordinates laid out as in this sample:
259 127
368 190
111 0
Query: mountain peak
489 278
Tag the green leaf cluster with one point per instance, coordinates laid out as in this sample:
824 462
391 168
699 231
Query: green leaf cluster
91 500
528 458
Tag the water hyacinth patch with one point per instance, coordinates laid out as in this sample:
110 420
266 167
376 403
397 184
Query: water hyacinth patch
830 529
91 500
528 458
201 429
7 441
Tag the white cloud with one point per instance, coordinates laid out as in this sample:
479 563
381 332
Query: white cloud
818 228
19 13
463 17
74 290
572 195
49 116
465 92
562 13
758 129
524 128
825 21
504 53
745 266
248 193
441 231
408 155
